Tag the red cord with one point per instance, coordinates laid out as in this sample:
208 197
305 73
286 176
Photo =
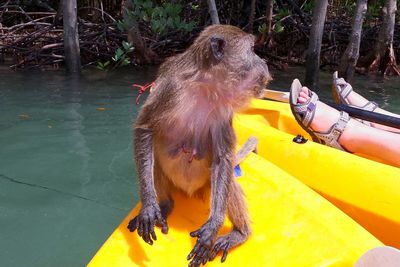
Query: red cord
142 89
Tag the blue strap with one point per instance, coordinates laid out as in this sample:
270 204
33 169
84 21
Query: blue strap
238 171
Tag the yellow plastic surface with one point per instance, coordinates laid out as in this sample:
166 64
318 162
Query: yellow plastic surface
366 190
292 226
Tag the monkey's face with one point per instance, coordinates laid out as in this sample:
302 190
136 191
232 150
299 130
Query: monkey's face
232 51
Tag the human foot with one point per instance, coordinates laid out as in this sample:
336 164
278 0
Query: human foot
343 93
325 124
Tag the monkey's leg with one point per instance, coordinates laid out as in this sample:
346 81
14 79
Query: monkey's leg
223 142
246 149
150 213
238 215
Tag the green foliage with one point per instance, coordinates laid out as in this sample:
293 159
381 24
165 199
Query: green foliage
162 18
262 28
282 13
103 66
120 57
121 54
278 27
308 6
349 8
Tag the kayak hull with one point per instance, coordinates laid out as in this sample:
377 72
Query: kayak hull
291 226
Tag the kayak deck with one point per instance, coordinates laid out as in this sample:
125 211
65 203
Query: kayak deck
366 190
292 226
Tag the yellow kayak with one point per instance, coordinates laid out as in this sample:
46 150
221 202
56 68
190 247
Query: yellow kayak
292 226
366 190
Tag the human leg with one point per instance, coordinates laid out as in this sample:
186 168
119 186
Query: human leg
344 93
356 137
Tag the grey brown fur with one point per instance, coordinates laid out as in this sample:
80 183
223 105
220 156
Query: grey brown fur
184 139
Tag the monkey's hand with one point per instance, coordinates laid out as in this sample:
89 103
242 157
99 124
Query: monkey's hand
149 216
205 239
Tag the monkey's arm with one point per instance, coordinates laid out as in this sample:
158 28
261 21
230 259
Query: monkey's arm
150 213
223 140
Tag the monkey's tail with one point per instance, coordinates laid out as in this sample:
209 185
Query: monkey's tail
246 149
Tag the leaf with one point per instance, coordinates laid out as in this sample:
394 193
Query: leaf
278 28
177 21
106 63
118 54
262 28
126 62
126 45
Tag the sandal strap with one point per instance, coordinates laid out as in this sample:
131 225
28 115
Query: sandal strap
370 106
332 136
307 110
344 89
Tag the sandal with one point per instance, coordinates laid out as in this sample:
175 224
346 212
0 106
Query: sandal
340 91
304 114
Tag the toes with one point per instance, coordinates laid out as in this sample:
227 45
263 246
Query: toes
221 245
304 89
225 254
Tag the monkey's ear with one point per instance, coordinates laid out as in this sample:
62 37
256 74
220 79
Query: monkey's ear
217 47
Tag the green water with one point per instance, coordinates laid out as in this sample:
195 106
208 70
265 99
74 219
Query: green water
66 172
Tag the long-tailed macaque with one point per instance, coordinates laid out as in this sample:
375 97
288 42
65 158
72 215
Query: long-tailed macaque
184 139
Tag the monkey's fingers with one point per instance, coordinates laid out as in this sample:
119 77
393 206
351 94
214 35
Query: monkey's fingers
149 235
163 224
194 263
151 231
146 232
133 224
194 251
197 233
201 257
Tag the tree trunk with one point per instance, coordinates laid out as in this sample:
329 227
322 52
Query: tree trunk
251 17
212 9
350 56
268 21
314 48
71 40
383 58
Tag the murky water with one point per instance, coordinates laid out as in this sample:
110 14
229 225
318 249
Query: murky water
66 172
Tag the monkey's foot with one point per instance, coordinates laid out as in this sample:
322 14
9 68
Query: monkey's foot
226 242
145 221
202 249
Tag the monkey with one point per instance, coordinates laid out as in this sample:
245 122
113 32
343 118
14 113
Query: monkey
184 139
